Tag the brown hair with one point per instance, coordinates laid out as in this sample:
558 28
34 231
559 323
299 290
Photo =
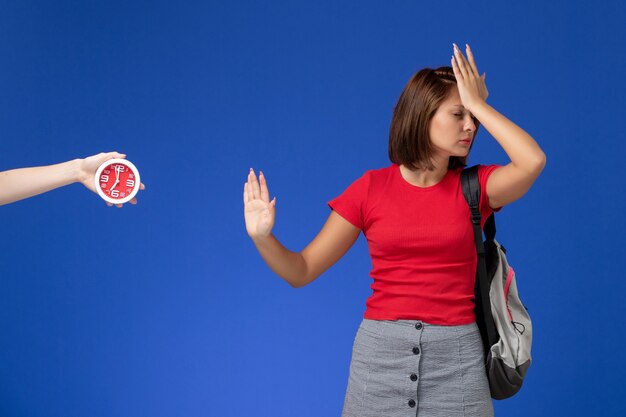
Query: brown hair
409 142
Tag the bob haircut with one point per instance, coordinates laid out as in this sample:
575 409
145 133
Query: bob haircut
409 141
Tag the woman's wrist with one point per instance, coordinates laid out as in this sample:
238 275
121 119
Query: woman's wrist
76 172
261 240
476 106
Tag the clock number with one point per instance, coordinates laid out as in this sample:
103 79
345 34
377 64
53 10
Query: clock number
104 178
130 183
119 168
115 193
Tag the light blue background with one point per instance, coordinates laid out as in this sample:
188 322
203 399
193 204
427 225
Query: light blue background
166 308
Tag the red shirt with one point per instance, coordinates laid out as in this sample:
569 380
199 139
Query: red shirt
421 243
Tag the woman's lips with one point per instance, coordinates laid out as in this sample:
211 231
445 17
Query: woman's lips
466 141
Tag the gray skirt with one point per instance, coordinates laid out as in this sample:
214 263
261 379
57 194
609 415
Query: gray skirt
411 368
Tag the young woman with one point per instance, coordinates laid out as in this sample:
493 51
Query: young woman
18 184
418 350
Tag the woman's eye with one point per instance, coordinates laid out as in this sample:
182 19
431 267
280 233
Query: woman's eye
458 114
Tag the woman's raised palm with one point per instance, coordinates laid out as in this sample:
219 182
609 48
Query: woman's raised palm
259 211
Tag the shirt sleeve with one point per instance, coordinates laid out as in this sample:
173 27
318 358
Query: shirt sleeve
352 202
484 171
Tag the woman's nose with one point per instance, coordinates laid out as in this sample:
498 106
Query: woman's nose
469 124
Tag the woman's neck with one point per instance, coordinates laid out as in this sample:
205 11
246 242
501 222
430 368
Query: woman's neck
424 177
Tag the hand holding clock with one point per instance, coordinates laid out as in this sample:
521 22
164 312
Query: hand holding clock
20 183
91 176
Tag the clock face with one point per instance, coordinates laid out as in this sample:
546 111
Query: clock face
117 181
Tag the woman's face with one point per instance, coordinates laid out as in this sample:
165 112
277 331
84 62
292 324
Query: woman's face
452 128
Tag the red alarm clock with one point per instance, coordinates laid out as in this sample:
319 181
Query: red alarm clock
117 181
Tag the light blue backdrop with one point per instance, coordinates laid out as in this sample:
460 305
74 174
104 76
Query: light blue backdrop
190 321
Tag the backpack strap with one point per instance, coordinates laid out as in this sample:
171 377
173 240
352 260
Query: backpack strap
484 318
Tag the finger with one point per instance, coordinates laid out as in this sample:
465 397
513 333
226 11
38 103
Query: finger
265 193
272 206
457 71
245 193
463 61
133 201
470 58
249 188
460 60
109 204
142 186
256 190
113 155
119 205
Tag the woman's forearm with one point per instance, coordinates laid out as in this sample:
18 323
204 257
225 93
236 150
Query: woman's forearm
289 265
521 148
18 184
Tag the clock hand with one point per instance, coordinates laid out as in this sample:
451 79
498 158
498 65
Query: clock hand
117 178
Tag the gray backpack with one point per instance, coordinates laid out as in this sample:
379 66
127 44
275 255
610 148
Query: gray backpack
503 320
